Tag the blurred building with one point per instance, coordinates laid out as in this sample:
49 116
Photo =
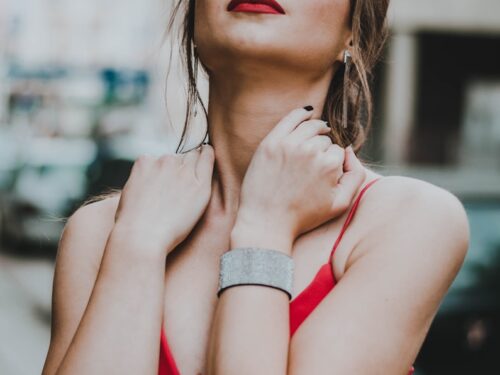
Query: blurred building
440 94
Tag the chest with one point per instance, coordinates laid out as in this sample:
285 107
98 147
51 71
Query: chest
191 281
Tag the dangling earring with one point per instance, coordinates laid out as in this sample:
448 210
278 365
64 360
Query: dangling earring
345 96
194 109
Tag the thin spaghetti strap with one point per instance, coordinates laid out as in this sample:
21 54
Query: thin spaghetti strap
352 211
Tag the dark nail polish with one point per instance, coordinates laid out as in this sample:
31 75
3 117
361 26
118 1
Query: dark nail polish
309 108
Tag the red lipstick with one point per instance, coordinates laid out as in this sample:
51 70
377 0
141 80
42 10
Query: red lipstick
255 6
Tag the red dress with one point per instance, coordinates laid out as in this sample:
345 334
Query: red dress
300 307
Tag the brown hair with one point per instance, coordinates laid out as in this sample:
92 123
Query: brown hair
369 33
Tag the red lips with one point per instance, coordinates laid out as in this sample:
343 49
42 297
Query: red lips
255 6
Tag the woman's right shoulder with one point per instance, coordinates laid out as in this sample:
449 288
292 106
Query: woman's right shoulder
100 208
88 227
79 254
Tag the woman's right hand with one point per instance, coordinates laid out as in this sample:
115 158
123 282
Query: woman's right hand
164 198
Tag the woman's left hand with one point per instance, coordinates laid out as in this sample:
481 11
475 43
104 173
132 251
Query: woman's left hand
297 179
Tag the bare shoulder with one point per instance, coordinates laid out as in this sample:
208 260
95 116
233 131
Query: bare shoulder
397 192
402 210
87 229
103 208
79 255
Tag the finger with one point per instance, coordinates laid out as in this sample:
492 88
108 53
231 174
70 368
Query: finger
351 180
308 129
190 157
205 164
335 155
288 123
319 142
144 165
144 161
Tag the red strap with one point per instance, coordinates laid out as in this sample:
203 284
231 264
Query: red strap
352 211
167 365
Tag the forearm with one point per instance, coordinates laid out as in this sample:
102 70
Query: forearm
250 333
120 329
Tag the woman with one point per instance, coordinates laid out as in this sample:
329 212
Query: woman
143 266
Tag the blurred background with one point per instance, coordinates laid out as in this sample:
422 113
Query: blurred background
83 93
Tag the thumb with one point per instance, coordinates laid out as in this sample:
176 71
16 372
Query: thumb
351 180
205 164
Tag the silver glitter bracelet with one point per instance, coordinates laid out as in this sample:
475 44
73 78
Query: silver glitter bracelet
256 266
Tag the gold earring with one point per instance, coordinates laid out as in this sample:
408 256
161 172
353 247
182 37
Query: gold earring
345 101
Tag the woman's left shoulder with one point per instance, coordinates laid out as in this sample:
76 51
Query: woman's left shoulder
403 196
408 214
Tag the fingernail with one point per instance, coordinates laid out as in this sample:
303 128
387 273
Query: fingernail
309 108
350 148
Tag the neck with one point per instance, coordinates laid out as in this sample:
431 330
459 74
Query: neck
241 112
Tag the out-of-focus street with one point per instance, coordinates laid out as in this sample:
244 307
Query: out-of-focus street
25 299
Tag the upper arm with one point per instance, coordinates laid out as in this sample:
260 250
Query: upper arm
79 255
375 320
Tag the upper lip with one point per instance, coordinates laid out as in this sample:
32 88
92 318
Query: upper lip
272 3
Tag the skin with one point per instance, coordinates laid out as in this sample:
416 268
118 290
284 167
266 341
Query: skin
153 250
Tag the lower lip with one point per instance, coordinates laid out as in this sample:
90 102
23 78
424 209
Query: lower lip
255 8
